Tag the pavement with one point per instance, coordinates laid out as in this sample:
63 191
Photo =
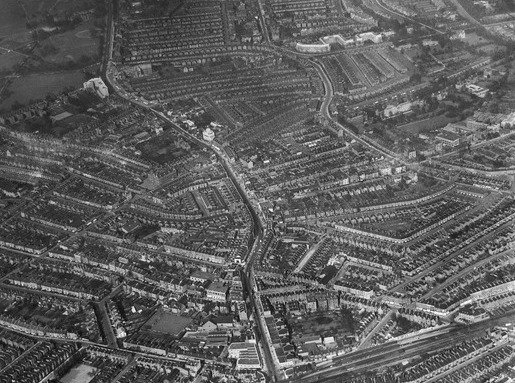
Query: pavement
271 363
305 259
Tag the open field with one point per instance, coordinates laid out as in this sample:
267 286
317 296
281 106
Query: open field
67 6
37 86
168 323
474 39
12 19
13 30
74 44
37 9
424 126
161 149
9 59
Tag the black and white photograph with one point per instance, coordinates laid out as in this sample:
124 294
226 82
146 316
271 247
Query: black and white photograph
257 191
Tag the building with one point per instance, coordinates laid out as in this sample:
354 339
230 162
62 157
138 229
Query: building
477 90
97 85
376 38
448 138
313 48
509 121
201 276
217 292
402 108
429 43
471 314
246 355
208 135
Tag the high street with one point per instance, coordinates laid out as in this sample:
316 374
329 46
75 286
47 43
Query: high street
271 363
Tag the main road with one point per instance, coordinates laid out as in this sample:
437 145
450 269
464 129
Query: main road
271 363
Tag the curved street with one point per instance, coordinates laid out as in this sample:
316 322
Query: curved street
324 110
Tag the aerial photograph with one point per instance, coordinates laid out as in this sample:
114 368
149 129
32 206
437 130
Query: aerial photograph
257 191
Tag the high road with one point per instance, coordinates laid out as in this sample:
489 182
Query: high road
249 280
270 362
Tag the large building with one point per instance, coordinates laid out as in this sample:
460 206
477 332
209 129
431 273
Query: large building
313 48
246 355
208 135
217 292
98 86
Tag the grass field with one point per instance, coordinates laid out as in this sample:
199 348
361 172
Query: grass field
425 126
474 39
37 86
9 59
37 9
168 323
60 51
13 30
73 44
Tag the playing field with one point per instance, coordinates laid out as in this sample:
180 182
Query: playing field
168 323
426 125
37 86
9 59
74 44
13 31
